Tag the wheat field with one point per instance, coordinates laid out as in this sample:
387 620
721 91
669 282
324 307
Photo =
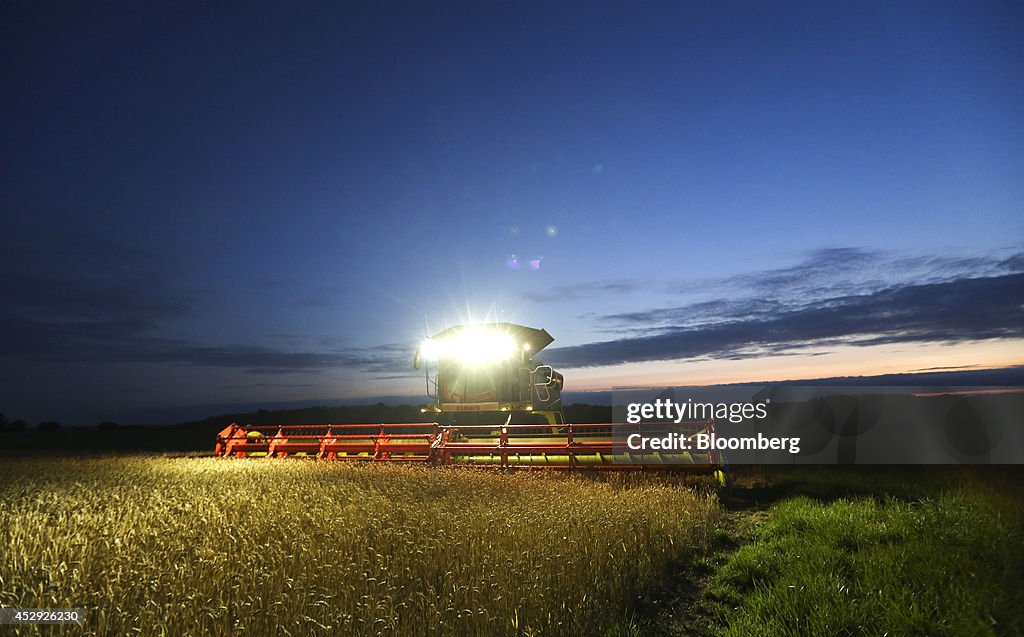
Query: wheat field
185 546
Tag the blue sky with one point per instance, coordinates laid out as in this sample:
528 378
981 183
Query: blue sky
276 201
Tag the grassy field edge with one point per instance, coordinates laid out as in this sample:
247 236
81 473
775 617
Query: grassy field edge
863 551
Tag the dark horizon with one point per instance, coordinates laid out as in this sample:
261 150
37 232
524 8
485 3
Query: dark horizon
178 414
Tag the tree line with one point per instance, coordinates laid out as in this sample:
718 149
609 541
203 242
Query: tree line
21 425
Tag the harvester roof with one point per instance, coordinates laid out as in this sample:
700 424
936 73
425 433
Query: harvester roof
536 339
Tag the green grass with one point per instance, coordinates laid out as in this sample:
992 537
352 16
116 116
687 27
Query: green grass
949 563
261 547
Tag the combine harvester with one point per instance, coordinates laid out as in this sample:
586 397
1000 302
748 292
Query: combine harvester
495 405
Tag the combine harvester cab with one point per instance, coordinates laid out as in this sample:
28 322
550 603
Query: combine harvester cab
495 405
488 374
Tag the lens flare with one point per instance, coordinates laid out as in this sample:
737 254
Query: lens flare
472 347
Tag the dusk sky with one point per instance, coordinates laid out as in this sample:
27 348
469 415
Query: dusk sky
212 203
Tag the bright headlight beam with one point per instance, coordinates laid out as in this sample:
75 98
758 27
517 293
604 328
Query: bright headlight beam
472 347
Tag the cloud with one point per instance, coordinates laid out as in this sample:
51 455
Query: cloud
72 277
831 272
267 385
947 368
132 341
827 264
72 298
823 276
698 313
952 311
1014 263
69 298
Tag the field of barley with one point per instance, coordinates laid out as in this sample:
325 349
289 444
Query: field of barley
189 546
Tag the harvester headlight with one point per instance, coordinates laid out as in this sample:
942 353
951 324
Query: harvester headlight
472 347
